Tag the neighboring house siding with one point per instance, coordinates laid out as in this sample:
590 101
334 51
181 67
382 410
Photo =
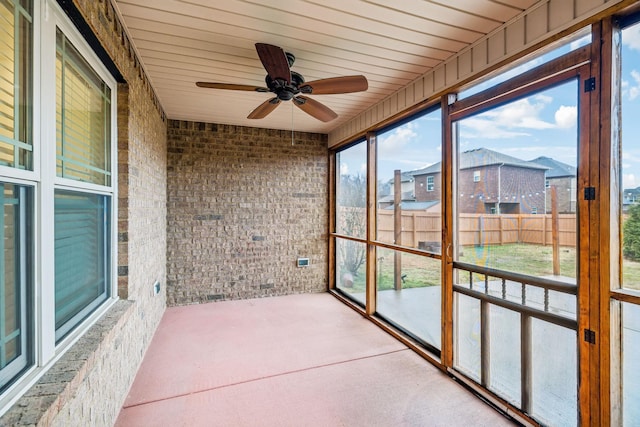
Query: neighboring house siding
243 204
88 385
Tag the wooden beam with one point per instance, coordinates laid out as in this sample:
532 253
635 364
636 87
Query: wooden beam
607 312
372 200
447 232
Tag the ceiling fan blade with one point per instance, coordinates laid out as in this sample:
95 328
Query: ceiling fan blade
315 109
274 61
265 108
334 85
230 86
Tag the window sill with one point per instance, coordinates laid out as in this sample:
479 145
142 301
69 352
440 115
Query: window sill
59 385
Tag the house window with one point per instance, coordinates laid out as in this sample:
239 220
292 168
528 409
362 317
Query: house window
16 33
534 210
430 183
476 176
16 225
56 186
81 217
547 183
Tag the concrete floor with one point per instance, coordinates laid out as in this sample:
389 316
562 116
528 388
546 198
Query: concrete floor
300 360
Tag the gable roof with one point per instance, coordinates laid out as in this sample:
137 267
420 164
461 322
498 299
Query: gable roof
557 169
481 157
484 157
404 177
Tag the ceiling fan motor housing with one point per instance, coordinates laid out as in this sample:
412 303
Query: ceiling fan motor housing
285 91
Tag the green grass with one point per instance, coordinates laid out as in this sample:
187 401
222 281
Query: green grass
532 260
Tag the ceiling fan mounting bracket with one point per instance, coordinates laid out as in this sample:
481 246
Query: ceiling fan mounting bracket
290 58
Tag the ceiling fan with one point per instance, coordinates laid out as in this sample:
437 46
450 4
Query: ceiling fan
289 85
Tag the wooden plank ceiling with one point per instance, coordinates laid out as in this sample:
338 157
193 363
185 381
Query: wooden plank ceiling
390 42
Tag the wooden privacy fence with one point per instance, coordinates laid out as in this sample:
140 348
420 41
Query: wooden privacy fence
422 229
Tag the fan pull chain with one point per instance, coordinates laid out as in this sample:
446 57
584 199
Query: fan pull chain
292 123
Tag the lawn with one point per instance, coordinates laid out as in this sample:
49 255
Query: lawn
533 260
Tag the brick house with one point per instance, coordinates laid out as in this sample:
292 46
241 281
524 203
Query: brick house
563 177
488 182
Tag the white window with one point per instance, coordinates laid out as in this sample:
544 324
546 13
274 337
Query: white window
534 210
430 183
57 186
547 183
476 176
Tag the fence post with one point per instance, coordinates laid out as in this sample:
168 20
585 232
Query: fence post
415 231
555 231
397 229
519 237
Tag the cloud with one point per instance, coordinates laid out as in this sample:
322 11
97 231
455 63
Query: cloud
393 143
629 180
344 169
582 41
478 127
512 120
566 116
631 37
631 90
630 159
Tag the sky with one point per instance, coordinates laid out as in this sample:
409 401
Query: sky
544 124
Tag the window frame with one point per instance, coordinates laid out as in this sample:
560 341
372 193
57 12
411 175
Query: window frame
44 348
431 183
58 19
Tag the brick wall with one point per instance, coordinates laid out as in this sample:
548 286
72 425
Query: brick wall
515 182
88 385
243 204
422 195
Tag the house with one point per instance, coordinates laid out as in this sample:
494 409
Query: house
563 177
489 182
126 188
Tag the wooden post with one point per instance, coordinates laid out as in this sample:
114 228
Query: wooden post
397 229
415 231
555 232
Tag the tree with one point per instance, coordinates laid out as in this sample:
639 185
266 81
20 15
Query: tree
352 220
631 234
